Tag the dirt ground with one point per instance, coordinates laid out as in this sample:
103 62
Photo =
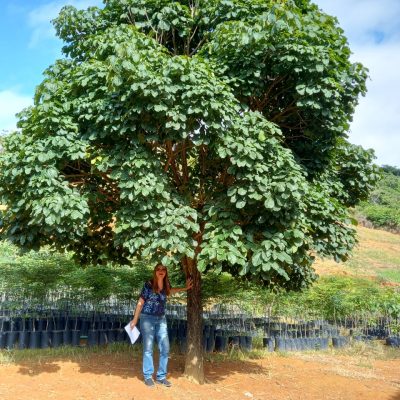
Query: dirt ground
118 377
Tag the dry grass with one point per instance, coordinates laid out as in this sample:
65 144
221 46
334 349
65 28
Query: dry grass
115 350
359 353
377 257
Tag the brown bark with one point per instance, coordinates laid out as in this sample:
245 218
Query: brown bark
185 171
171 162
194 365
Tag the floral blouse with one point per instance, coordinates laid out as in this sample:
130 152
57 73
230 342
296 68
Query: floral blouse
154 303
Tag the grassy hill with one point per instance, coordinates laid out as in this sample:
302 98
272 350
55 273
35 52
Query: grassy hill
376 257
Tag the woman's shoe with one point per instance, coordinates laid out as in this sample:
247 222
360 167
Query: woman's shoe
164 382
149 382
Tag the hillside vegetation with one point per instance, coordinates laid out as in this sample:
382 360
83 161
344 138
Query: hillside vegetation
376 257
382 208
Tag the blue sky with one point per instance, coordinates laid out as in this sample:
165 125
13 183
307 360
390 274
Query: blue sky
29 46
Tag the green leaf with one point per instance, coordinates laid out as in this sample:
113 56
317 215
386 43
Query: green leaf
240 204
256 259
261 137
269 203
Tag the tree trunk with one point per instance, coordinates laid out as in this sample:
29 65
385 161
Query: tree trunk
194 368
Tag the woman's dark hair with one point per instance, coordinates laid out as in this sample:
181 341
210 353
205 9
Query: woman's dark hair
166 282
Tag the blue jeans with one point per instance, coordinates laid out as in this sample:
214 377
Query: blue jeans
154 327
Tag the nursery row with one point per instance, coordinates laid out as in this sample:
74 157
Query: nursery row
213 339
58 321
299 344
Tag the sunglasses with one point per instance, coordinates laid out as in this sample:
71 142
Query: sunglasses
161 269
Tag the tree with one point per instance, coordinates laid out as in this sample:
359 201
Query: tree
391 169
210 135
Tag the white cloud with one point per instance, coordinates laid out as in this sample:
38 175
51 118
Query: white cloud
11 103
373 30
39 19
365 21
377 119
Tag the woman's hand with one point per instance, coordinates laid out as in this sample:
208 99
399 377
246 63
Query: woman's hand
189 283
132 324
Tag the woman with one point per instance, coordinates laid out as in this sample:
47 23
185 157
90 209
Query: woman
153 324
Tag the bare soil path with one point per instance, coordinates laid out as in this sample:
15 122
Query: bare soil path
275 377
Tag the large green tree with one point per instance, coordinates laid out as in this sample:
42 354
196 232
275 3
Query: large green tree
210 135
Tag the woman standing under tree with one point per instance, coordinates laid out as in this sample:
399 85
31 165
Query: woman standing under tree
153 324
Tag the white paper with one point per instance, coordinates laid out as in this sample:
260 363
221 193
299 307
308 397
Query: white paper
133 334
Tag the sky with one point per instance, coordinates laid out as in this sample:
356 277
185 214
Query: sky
28 46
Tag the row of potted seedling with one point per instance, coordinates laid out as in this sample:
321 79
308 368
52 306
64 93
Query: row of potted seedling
61 323
96 329
300 344
103 332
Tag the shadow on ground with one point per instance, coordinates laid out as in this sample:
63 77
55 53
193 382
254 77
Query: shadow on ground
396 396
125 361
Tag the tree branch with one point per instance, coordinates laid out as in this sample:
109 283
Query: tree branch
291 107
171 162
174 42
198 45
185 172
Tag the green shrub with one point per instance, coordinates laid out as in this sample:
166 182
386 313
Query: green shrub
382 207
36 275
338 297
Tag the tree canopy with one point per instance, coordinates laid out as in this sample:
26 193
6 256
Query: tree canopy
170 120
211 131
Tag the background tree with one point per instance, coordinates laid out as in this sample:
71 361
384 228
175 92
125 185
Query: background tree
210 135
381 209
391 169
